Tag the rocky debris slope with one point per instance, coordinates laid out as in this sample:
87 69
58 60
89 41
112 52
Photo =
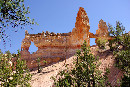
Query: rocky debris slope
107 61
105 57
43 79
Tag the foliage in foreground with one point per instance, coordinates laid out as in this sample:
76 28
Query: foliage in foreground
85 73
16 75
122 55
13 14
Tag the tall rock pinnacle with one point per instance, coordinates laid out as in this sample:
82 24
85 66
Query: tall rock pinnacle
102 29
82 19
81 30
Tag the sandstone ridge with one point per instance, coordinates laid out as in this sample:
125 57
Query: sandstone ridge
53 47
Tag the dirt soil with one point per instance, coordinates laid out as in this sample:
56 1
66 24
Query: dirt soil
43 79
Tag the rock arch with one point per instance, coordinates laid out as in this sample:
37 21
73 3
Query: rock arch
54 47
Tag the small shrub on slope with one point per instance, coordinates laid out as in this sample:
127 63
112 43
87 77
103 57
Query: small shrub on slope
84 74
101 43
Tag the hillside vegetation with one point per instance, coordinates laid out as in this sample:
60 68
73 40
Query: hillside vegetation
106 64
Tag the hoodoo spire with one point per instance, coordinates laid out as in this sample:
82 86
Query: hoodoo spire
81 30
82 19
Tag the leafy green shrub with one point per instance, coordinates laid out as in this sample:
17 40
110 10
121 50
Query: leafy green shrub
84 74
120 40
123 60
116 33
125 81
122 55
101 43
19 77
8 55
39 65
111 44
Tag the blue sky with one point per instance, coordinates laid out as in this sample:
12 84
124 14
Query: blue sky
59 16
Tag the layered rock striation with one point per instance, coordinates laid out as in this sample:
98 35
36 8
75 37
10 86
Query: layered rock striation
54 47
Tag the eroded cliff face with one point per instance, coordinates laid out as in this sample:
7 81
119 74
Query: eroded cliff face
54 47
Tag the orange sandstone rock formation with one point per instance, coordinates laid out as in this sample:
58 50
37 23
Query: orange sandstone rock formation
102 29
54 47
81 30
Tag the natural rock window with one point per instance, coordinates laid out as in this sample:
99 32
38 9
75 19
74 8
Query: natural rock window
32 48
92 41
54 47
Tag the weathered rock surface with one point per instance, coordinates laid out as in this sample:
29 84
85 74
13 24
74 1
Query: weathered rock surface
81 30
102 29
54 47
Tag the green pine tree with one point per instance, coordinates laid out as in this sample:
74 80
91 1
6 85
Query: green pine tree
84 74
122 55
